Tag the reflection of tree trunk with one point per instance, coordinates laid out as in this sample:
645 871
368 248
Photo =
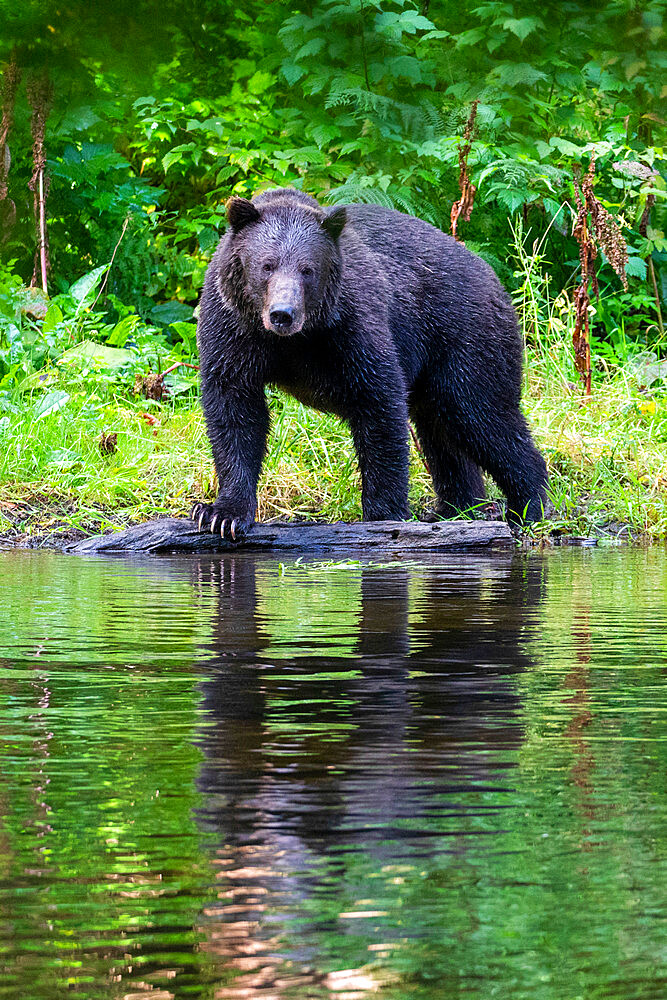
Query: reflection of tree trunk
41 755
578 680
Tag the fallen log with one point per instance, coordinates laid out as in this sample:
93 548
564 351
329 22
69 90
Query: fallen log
389 537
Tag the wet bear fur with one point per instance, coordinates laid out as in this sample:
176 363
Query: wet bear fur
375 316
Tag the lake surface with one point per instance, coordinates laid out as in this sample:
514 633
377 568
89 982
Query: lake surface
233 777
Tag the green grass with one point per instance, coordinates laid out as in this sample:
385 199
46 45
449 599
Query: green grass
607 459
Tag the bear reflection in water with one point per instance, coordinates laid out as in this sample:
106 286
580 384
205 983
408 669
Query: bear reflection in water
387 752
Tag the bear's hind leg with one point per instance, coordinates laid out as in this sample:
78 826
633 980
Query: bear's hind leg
501 443
457 480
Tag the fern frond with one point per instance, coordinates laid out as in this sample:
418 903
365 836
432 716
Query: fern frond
353 191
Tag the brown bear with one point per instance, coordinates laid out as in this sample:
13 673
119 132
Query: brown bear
375 316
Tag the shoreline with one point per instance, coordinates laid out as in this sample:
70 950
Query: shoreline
50 527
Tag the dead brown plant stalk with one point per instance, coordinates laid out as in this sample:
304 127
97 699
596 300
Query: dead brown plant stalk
462 209
593 227
40 93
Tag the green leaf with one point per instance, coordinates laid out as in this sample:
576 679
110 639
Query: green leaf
83 289
171 312
513 200
386 18
311 48
176 154
292 72
470 37
489 169
51 403
412 21
564 146
187 332
180 383
79 119
260 81
53 317
208 238
515 74
496 41
522 26
324 134
122 331
405 66
90 350
611 83
435 34
636 268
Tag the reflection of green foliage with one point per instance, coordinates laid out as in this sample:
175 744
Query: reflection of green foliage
298 607
135 638
98 773
511 848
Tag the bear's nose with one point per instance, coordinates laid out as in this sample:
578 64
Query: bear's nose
282 315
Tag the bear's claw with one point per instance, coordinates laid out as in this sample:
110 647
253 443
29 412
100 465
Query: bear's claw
206 517
197 511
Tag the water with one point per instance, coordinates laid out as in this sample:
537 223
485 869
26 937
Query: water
231 778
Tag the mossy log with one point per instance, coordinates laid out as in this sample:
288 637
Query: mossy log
180 535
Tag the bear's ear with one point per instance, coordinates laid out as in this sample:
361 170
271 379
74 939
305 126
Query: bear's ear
334 221
240 212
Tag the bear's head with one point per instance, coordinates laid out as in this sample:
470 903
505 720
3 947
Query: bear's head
287 257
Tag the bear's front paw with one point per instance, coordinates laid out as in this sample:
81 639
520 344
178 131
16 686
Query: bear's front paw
208 517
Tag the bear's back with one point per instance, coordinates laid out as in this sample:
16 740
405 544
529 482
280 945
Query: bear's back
425 272
408 245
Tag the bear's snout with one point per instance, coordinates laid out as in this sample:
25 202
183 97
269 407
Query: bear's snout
284 307
281 315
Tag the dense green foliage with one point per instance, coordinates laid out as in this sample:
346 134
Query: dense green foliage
158 114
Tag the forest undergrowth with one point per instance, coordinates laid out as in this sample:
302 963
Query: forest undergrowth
84 448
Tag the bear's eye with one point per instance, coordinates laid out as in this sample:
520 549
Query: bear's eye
268 267
307 271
